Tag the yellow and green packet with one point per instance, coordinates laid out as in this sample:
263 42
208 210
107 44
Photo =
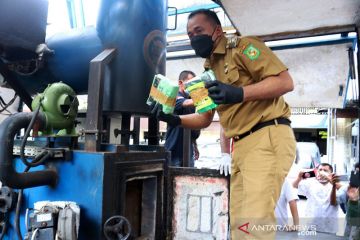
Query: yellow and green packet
199 94
163 91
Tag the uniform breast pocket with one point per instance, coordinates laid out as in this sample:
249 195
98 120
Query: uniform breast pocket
233 77
238 77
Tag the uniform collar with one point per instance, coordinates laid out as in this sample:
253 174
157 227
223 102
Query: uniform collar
219 49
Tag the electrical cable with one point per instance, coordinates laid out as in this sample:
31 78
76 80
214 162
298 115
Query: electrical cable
2 102
4 226
34 234
39 158
18 204
17 212
6 105
26 220
26 135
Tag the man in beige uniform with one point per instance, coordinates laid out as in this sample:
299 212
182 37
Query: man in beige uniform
249 89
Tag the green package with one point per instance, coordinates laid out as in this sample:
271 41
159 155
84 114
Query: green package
199 94
163 91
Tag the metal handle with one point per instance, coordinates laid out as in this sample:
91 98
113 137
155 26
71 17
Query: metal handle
175 18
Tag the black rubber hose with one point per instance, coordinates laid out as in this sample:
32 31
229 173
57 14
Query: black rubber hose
9 177
26 135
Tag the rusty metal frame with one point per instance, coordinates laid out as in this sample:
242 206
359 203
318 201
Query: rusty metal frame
93 124
186 147
153 132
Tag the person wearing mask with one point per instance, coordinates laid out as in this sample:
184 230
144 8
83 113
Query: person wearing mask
322 198
174 134
249 87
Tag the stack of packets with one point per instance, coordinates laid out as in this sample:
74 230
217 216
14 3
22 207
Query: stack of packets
199 94
163 91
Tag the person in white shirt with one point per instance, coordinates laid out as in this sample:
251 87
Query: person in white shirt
289 196
320 191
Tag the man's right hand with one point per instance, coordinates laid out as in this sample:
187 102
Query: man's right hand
298 179
300 175
222 93
333 179
171 119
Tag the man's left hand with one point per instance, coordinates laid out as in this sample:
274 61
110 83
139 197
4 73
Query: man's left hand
171 119
222 93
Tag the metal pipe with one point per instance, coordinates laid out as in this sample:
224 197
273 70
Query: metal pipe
136 131
8 175
125 128
358 85
329 138
186 147
153 131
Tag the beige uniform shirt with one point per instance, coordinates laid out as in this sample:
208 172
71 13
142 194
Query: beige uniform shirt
242 61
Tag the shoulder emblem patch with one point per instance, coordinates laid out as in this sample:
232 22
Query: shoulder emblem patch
232 42
252 52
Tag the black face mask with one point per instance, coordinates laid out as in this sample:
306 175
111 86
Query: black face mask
203 44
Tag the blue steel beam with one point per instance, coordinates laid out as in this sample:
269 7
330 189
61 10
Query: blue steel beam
194 8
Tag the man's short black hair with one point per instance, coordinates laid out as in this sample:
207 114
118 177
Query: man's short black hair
210 15
326 164
357 165
184 74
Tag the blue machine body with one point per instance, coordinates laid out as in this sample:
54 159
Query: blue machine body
80 180
136 29
97 183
